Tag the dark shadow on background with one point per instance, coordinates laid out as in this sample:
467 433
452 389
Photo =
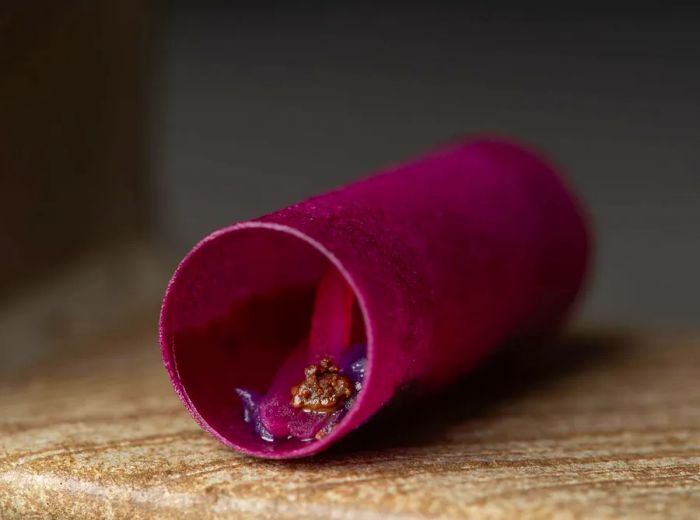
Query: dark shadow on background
509 374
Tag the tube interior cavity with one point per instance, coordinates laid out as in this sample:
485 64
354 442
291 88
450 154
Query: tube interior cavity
264 316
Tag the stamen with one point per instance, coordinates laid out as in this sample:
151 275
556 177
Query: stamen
323 390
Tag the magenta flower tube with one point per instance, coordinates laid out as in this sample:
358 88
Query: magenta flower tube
284 333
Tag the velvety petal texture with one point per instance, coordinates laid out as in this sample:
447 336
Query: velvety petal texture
426 265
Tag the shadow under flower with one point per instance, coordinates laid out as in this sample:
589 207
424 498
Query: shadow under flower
510 373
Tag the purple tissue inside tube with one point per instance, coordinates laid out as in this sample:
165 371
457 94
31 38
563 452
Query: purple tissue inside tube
447 256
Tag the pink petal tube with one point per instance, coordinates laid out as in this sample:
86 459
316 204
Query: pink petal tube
444 256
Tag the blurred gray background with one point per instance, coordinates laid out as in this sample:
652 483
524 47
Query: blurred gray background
258 107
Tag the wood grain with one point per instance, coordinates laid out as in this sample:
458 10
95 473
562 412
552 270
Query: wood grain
595 425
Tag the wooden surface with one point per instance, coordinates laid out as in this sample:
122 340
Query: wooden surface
598 425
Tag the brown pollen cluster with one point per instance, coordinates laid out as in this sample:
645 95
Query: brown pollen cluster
323 389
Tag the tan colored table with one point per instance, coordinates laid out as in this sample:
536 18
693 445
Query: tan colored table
599 425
